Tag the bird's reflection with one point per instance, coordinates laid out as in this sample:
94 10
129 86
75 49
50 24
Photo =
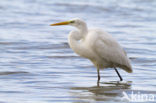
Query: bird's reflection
104 91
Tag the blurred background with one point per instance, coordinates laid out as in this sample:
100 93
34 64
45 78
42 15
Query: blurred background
37 65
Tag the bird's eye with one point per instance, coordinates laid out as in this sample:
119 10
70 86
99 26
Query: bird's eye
72 21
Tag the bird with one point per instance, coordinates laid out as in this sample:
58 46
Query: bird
98 46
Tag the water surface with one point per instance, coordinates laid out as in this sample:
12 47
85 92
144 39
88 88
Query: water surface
37 65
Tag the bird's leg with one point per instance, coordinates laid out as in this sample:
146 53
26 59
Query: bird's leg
98 72
118 74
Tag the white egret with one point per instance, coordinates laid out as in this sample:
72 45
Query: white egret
98 46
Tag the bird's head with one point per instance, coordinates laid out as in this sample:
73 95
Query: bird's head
74 22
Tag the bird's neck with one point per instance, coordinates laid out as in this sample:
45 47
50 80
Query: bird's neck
83 30
76 41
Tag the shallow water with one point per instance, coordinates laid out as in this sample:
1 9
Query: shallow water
37 65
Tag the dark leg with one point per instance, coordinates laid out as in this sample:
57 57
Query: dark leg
118 74
98 72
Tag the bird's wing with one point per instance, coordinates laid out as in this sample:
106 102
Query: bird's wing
106 47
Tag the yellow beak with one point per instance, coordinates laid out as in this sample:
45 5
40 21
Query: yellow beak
61 23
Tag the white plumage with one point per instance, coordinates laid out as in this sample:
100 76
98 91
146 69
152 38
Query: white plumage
98 46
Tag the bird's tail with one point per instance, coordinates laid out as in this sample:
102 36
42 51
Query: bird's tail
127 67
